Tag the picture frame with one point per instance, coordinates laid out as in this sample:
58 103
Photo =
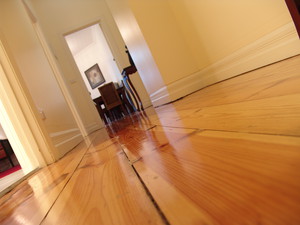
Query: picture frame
94 76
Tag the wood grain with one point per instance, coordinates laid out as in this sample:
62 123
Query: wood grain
104 190
207 178
30 201
266 100
279 79
278 115
226 155
139 143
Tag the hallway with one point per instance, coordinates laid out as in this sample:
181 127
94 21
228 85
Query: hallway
228 154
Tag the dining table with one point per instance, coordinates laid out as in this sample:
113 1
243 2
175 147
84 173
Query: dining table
124 96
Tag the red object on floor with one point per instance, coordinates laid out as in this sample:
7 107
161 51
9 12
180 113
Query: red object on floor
9 171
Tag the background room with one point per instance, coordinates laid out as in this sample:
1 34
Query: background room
89 48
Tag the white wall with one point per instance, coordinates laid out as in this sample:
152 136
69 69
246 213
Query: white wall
96 50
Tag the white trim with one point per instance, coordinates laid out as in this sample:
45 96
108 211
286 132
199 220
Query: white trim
161 96
273 47
66 140
63 137
147 103
63 132
66 144
93 127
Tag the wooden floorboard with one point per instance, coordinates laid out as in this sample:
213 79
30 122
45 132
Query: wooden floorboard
224 178
30 201
278 115
139 143
104 190
272 81
228 154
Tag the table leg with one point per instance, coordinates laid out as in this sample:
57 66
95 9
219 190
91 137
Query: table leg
137 95
125 81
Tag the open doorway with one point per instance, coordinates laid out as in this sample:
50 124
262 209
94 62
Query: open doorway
10 169
15 123
93 56
91 52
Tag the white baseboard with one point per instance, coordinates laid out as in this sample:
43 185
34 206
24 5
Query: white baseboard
66 140
160 97
278 45
146 103
93 127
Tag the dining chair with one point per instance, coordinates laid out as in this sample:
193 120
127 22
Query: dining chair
111 100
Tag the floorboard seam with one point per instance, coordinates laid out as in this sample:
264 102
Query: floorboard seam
230 131
233 131
221 81
185 128
160 212
66 183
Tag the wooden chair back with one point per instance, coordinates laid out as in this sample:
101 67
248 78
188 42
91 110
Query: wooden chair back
110 96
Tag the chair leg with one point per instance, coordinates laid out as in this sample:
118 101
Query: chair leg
111 116
124 110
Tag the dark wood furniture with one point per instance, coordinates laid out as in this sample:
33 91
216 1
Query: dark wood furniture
128 84
100 105
111 99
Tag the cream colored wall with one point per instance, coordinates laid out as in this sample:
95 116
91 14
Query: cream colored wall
138 47
29 58
166 41
70 16
198 43
214 29
185 35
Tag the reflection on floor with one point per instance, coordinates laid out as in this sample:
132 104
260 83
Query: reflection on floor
228 154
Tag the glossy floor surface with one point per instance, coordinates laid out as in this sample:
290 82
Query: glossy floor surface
228 154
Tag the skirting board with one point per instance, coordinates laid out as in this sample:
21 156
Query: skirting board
160 97
278 45
66 140
93 127
146 103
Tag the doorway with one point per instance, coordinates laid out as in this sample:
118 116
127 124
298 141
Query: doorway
10 169
14 122
90 49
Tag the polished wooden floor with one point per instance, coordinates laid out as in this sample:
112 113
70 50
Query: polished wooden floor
226 155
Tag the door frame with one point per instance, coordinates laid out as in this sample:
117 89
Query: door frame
15 123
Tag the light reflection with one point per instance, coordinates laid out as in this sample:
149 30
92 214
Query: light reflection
20 219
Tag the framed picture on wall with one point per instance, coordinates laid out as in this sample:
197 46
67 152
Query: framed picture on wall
94 76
